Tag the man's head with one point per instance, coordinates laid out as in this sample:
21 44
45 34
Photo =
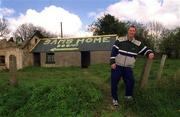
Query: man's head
131 32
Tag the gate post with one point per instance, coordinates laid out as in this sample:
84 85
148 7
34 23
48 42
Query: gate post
163 59
13 70
145 74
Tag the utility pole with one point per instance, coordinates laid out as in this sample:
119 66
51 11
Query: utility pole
61 30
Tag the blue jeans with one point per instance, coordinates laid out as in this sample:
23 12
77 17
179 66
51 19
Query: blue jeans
127 74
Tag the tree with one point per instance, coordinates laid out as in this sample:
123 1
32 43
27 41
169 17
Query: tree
108 24
3 27
177 42
170 42
155 30
45 33
26 31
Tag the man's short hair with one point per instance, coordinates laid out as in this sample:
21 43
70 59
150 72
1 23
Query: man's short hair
132 26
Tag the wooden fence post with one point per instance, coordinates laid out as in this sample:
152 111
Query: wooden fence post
13 70
145 74
163 59
176 78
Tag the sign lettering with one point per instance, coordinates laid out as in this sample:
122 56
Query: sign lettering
105 40
79 40
76 41
98 40
54 42
85 43
46 42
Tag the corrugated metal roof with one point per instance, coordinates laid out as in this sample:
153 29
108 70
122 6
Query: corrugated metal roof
96 43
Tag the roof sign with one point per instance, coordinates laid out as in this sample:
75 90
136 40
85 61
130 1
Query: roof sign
76 44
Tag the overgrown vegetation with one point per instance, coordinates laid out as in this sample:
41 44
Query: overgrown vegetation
153 34
75 92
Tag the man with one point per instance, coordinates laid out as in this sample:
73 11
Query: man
124 52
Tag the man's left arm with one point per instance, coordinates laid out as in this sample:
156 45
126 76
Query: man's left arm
144 50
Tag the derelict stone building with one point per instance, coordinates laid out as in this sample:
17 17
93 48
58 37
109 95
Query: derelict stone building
20 51
54 52
73 51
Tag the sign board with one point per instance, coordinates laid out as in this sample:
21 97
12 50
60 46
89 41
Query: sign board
96 43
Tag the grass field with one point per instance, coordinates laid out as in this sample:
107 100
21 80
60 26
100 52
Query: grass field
76 92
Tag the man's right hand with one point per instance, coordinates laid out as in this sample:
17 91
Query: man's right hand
113 66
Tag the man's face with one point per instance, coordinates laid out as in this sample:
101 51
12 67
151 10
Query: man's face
131 32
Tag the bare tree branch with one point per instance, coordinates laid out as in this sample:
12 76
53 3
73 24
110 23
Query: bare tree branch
3 27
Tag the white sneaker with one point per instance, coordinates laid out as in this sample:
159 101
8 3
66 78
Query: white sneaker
115 102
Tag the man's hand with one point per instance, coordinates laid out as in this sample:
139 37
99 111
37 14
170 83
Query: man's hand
113 66
151 56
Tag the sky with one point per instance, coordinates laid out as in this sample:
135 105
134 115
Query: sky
76 15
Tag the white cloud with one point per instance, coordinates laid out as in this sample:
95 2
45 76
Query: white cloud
95 14
6 12
50 18
92 14
166 12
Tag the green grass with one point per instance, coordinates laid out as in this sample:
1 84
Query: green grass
75 92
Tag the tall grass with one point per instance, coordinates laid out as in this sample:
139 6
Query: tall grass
75 92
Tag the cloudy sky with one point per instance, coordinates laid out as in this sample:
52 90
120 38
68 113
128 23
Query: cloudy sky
76 15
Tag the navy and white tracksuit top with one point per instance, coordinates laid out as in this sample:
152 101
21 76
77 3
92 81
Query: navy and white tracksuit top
124 51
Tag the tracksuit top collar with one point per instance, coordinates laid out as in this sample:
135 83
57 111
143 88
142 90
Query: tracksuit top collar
128 39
